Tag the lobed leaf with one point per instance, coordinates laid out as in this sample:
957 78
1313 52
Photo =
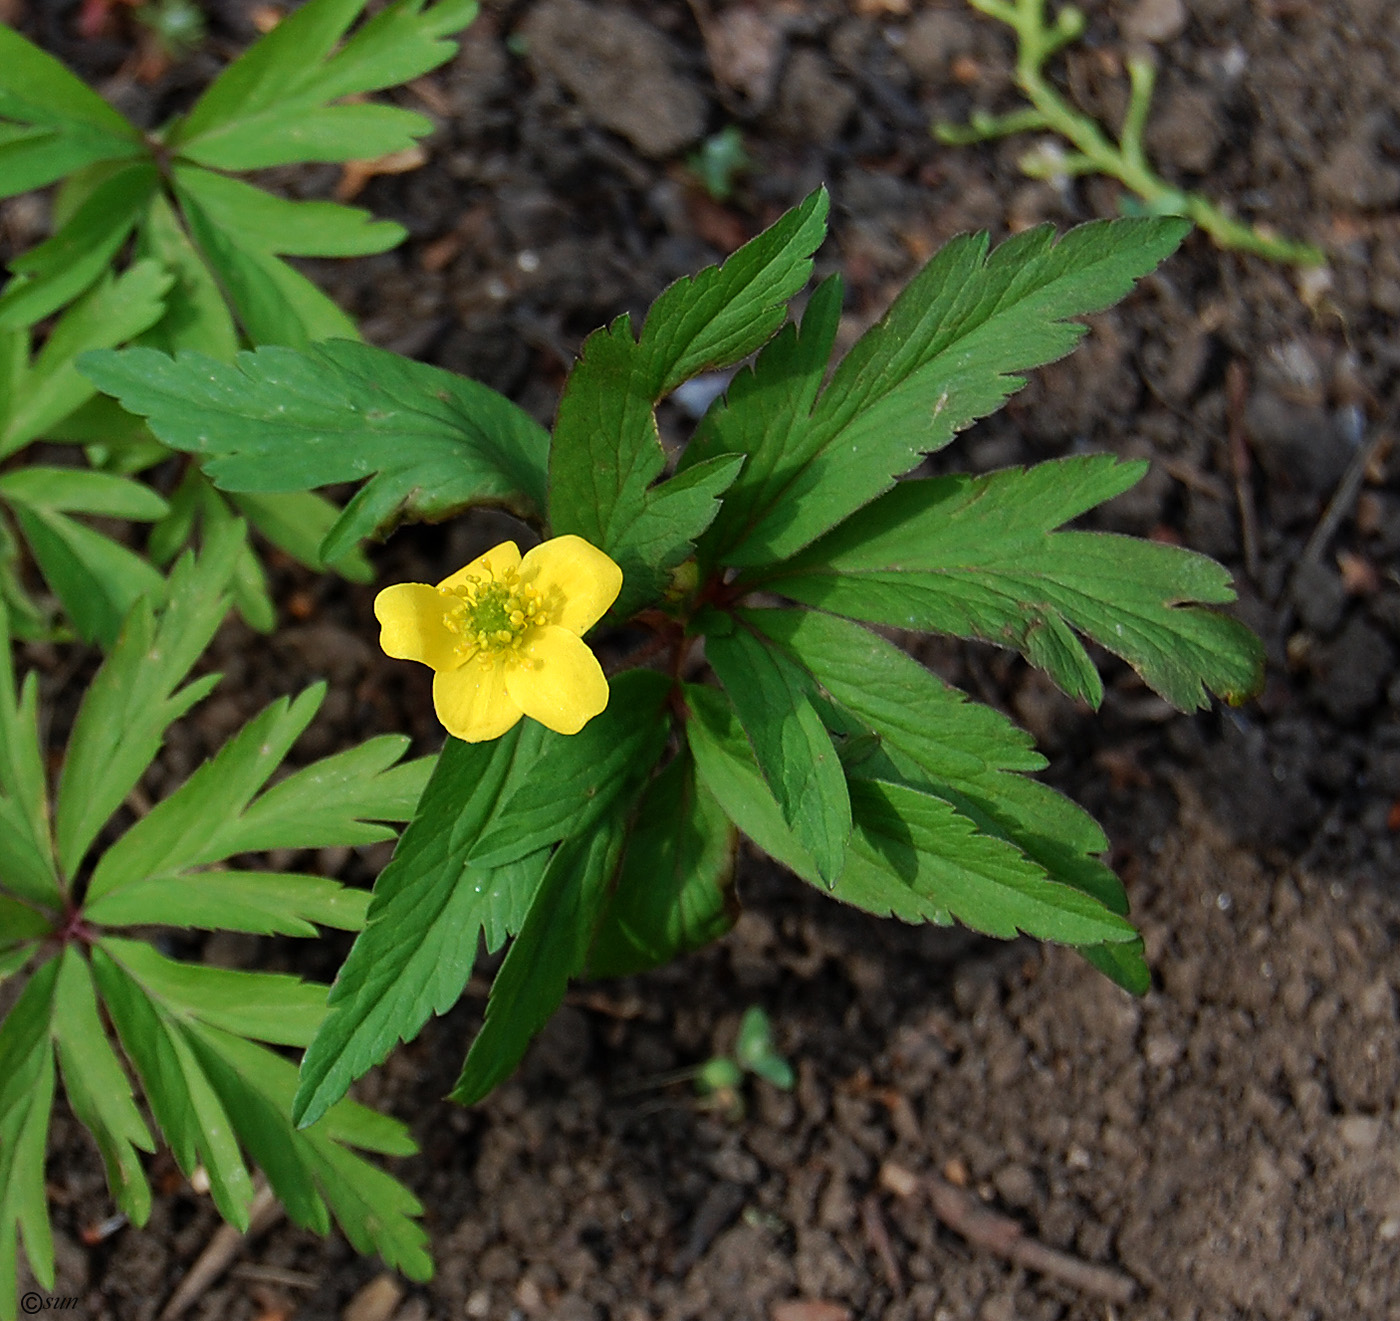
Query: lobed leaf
977 557
430 443
945 354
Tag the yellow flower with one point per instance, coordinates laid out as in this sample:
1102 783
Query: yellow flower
504 637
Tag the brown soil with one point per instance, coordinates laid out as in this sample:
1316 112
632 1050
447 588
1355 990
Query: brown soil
1231 1141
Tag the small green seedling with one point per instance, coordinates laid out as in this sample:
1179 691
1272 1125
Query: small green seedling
720 161
1093 153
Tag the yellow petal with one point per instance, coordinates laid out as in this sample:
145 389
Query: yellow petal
565 689
578 582
492 564
413 625
472 701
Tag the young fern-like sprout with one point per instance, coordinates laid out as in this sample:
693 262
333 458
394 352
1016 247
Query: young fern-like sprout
1037 41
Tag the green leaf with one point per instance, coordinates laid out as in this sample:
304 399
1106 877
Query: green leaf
298 523
196 315
966 753
186 1108
26 1101
792 747
36 89
265 903
606 452
913 856
211 1090
80 491
551 949
135 696
273 303
672 893
269 107
977 557
97 579
725 765
310 1171
946 354
755 1051
63 266
280 227
507 802
284 421
97 1086
765 414
49 390
267 1006
26 851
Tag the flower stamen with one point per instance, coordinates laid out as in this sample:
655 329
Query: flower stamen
493 617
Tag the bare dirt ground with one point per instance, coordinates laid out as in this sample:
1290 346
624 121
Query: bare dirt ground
1229 1145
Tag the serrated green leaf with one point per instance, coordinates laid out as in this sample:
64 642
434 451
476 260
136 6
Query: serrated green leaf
196 315
431 443
135 696
189 1113
550 950
967 753
792 748
280 227
606 452
913 856
26 1101
63 266
395 46
267 1006
21 922
945 354
672 893
51 389
1124 963
517 797
265 903
97 1086
286 134
977 557
97 579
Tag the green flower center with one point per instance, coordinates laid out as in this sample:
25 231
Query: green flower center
493 617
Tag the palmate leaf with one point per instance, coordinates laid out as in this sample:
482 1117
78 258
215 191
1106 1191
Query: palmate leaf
467 867
277 420
550 949
272 105
944 355
977 557
772 698
672 890
186 1029
912 855
606 451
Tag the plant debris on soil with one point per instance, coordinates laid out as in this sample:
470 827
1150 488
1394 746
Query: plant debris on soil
1226 1147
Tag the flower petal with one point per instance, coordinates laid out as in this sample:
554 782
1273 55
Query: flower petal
578 582
492 564
565 689
413 625
472 701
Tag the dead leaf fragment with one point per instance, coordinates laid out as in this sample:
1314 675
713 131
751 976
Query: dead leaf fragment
809 1309
354 175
